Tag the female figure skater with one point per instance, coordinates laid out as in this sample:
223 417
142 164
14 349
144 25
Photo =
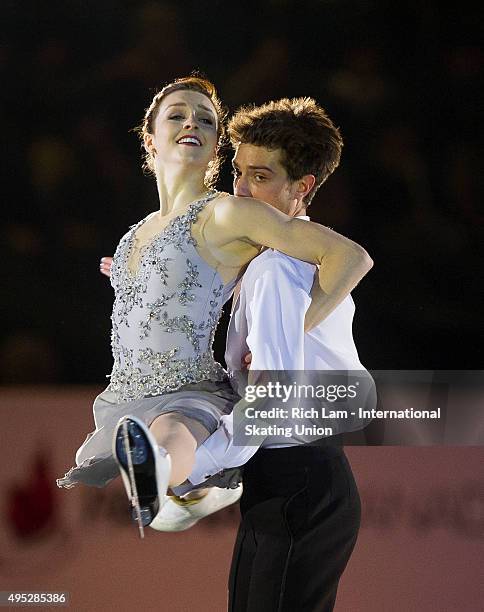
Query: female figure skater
172 273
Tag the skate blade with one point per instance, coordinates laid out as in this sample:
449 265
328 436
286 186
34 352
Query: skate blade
134 492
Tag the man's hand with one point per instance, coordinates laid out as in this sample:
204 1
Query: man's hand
246 361
105 266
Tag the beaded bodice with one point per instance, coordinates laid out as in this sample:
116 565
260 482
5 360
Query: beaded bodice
165 315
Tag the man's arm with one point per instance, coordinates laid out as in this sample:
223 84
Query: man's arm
105 266
275 303
342 263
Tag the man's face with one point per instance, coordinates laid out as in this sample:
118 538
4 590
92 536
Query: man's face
258 173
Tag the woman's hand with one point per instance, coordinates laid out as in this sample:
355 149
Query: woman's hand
105 266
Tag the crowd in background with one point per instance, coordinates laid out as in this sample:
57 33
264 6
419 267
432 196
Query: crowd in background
401 82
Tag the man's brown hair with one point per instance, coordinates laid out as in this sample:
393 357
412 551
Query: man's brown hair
309 141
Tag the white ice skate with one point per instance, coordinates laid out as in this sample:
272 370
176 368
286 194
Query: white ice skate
145 469
178 514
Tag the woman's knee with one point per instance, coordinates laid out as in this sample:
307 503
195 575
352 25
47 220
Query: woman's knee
166 423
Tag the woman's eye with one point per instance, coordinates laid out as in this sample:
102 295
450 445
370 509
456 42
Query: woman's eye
206 121
176 117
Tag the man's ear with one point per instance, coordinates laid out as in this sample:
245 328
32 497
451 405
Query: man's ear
304 185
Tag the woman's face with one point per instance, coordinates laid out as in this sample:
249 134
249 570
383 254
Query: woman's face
185 130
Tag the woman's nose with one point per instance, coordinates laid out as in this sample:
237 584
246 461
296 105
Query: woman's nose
190 123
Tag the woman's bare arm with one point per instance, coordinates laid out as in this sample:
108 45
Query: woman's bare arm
342 262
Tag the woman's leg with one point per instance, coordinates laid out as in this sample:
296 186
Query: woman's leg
180 436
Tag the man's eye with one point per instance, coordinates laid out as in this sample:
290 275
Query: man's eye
259 178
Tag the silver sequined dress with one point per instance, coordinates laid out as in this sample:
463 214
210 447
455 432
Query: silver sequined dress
163 324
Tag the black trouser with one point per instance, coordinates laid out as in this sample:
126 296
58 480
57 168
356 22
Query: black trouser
300 519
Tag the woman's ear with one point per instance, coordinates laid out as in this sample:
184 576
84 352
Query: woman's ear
148 144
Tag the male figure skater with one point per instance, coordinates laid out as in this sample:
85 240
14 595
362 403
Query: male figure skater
300 506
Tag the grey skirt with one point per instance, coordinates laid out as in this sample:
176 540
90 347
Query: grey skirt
204 402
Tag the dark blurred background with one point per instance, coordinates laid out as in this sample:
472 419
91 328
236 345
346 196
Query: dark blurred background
400 79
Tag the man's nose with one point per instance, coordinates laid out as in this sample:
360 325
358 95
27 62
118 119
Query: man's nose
241 187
